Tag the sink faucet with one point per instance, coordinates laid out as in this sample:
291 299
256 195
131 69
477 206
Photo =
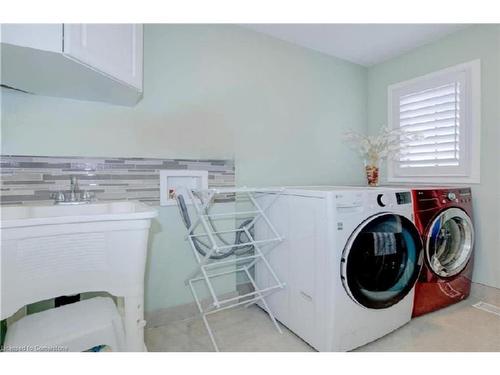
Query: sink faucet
74 196
73 188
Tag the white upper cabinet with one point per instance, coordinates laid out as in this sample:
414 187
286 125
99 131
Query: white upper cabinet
97 62
114 49
45 37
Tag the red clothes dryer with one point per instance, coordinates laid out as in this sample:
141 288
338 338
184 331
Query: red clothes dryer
444 219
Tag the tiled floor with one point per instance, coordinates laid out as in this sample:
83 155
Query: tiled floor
460 327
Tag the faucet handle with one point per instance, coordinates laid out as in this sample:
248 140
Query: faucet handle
87 195
58 196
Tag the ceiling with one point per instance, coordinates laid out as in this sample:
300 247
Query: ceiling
364 44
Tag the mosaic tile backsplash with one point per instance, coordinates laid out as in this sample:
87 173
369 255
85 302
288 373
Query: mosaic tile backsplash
32 179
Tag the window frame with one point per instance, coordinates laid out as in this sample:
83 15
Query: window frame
470 131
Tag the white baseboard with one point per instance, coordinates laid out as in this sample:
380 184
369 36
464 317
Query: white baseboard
161 317
485 292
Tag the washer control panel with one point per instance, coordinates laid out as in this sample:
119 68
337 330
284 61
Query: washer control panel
349 200
381 200
403 197
451 196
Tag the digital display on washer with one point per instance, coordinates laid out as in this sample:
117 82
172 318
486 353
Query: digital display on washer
464 192
403 197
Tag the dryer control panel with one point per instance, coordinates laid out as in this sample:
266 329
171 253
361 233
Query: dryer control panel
430 198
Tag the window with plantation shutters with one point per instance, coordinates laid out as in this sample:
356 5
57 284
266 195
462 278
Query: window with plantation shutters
434 115
441 129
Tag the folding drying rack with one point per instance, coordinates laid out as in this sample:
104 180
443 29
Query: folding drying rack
203 201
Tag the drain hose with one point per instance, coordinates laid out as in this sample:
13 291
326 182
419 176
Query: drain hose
202 247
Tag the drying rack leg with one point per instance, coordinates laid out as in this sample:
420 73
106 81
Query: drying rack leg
264 303
203 316
210 334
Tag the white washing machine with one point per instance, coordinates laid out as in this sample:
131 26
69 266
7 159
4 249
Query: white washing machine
350 259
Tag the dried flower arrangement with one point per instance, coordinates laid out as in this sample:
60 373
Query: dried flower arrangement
375 148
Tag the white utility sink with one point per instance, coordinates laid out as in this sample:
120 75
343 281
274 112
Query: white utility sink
21 216
55 250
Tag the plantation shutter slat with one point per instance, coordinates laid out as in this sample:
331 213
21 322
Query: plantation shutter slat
429 117
428 102
438 139
423 163
444 146
433 117
428 94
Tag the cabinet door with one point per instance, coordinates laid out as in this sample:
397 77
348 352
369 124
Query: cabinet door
114 49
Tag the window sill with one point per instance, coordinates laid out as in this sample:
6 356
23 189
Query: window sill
442 180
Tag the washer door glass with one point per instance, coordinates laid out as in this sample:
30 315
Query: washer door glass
449 242
382 261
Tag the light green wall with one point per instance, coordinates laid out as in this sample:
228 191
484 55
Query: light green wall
212 92
478 42
209 92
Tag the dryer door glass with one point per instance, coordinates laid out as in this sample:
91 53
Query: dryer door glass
449 242
382 260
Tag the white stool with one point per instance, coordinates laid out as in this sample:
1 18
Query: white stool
75 327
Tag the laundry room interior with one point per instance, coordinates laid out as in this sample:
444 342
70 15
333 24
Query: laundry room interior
250 187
